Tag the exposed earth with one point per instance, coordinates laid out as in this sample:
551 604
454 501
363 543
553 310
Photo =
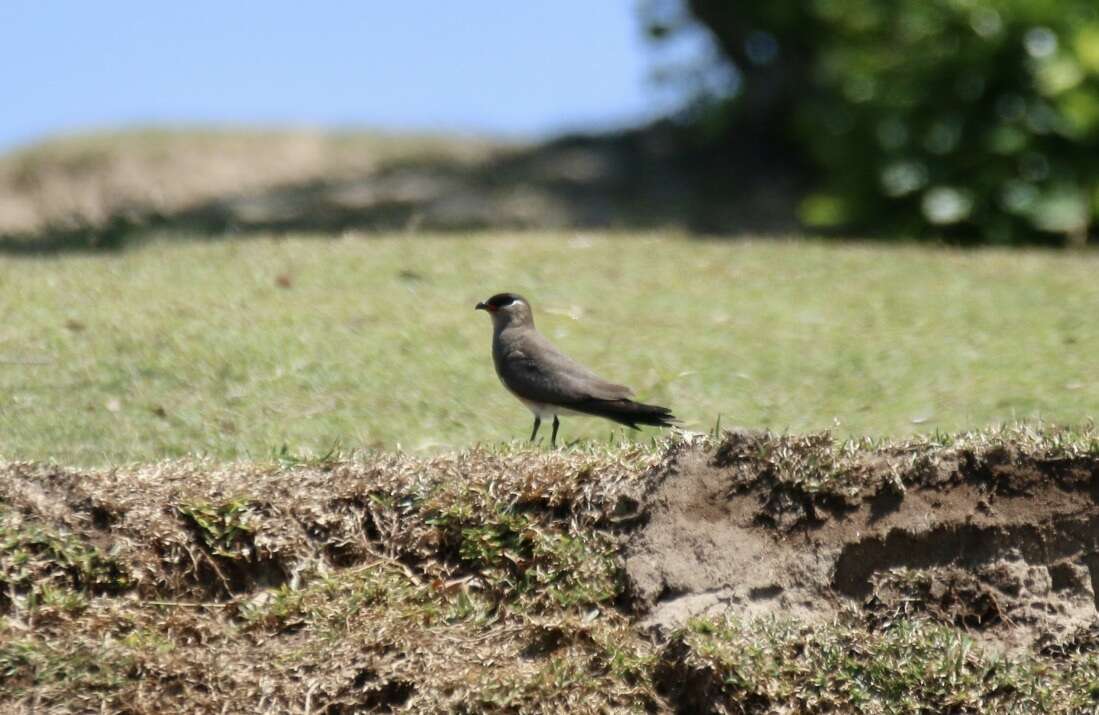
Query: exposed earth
1001 544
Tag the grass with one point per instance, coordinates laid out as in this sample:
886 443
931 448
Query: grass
365 582
489 579
912 667
296 346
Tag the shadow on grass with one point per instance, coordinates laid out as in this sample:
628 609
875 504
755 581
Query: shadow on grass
641 179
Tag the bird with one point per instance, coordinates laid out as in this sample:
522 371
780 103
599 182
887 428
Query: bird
548 382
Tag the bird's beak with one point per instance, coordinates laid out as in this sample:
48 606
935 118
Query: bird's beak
484 306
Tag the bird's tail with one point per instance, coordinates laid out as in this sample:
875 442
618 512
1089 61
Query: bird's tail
627 412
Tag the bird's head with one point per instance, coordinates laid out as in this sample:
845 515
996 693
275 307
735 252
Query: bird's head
507 309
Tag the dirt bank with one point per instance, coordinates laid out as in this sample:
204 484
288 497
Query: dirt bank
525 580
997 540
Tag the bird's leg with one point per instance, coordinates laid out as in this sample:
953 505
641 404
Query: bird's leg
553 438
537 424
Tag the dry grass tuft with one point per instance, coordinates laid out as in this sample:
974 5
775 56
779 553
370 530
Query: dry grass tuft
477 577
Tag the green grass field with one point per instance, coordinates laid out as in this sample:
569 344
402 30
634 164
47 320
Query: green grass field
237 348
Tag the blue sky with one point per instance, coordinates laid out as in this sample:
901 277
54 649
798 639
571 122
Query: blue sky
516 68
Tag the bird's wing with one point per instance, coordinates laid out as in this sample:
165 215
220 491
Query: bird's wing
534 369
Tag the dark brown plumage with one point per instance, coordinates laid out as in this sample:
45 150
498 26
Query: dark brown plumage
549 382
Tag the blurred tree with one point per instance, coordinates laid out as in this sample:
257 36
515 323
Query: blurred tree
977 119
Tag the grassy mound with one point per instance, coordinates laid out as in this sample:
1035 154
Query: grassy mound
96 191
464 582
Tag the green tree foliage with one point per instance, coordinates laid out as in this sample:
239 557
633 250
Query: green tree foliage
972 118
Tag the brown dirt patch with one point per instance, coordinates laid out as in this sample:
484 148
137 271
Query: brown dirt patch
992 538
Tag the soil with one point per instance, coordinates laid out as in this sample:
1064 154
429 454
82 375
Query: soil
1001 543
